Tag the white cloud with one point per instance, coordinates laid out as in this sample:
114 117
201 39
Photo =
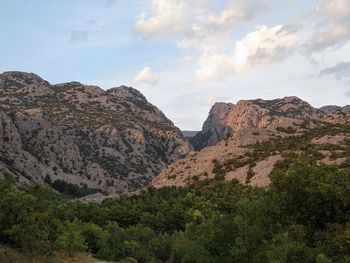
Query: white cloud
195 19
207 33
334 29
335 10
260 47
166 17
185 59
210 31
146 77
232 15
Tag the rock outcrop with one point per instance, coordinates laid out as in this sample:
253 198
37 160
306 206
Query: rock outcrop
225 118
250 123
189 134
331 109
215 128
112 140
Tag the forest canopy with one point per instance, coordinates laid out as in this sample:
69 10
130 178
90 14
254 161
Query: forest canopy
302 217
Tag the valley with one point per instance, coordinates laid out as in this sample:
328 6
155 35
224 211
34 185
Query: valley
104 176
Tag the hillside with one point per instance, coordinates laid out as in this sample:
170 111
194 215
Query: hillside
113 140
259 135
226 118
215 128
331 109
189 134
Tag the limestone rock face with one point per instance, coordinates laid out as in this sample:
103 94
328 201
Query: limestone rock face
215 128
113 140
226 118
332 109
232 155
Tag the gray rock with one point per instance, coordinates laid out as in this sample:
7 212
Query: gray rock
225 118
331 109
113 140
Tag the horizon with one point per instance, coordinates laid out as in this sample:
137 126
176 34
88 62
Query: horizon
183 130
223 51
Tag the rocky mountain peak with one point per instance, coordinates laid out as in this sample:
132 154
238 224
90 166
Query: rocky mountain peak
111 140
291 107
262 134
226 118
217 115
126 93
332 109
14 80
22 77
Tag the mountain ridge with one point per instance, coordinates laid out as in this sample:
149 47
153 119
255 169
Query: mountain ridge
112 140
225 118
254 122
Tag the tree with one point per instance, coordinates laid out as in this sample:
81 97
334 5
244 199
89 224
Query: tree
71 239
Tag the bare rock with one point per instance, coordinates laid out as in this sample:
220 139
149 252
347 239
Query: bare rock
112 140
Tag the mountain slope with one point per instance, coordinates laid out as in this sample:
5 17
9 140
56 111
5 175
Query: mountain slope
215 127
113 140
226 118
263 133
331 109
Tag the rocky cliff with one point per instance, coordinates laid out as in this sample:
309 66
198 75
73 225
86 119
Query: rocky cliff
113 140
226 118
331 109
261 134
215 128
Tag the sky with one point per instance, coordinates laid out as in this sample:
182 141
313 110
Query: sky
185 55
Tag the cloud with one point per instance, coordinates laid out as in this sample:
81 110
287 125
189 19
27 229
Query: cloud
261 47
212 31
165 17
208 32
334 28
336 36
185 59
79 35
335 10
194 19
347 94
146 77
83 31
340 71
110 3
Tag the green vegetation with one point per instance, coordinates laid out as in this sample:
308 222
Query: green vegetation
302 217
297 147
71 190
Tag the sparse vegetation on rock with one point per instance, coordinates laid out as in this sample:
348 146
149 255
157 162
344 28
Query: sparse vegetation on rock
113 140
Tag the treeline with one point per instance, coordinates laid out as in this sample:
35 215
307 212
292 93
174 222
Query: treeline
71 190
304 216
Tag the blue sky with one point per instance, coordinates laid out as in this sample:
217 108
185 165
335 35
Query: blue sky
184 55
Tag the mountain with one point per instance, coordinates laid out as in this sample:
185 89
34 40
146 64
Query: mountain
226 118
215 128
189 134
112 140
261 133
330 109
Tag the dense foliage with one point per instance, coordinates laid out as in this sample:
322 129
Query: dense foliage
69 189
302 217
